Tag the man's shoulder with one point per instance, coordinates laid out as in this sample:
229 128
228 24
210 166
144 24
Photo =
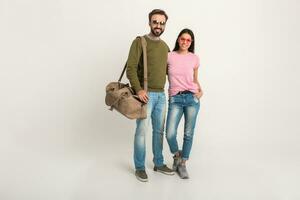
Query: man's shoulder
150 43
136 39
136 42
164 43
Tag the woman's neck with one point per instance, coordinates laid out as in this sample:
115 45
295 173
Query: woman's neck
182 51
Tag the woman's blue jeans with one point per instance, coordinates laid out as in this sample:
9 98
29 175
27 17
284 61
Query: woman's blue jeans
188 106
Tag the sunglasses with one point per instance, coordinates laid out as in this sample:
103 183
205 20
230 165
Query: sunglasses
155 22
185 40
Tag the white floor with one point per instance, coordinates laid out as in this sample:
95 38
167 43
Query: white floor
99 166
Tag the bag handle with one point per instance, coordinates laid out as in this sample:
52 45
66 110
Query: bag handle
144 47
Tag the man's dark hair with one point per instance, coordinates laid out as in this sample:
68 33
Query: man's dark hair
157 12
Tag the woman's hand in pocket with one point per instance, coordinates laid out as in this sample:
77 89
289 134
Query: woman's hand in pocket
198 94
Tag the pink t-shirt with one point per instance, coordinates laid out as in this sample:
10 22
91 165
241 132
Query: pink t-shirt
181 72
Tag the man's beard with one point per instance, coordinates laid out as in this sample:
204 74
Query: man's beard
157 34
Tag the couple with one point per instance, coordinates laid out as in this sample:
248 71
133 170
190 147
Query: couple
181 66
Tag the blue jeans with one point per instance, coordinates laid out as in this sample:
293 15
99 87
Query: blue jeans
156 111
187 105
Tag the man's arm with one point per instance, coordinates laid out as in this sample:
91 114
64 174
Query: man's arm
135 53
132 68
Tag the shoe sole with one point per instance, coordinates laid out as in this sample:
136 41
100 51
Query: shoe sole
182 177
167 173
141 179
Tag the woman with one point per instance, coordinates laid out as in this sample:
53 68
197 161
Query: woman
184 95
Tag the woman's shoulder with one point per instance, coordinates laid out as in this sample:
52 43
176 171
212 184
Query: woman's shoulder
195 59
193 55
172 54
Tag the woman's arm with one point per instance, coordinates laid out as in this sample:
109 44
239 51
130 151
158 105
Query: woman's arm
199 93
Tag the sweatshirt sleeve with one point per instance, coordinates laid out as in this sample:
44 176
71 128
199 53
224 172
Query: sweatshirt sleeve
132 65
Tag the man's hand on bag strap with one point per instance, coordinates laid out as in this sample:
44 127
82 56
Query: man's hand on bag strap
143 96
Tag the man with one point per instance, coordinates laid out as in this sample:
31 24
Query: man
157 51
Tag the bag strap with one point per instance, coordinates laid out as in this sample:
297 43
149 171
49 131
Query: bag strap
122 72
144 47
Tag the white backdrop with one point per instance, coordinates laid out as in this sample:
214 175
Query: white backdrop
59 141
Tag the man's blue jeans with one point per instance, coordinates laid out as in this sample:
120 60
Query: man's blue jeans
156 111
187 105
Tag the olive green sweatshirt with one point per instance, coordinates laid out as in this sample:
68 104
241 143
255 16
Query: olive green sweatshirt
157 54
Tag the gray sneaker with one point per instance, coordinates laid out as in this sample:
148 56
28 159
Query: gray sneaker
182 172
141 175
176 162
164 169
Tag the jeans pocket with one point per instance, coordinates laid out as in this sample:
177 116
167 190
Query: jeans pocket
171 99
196 100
